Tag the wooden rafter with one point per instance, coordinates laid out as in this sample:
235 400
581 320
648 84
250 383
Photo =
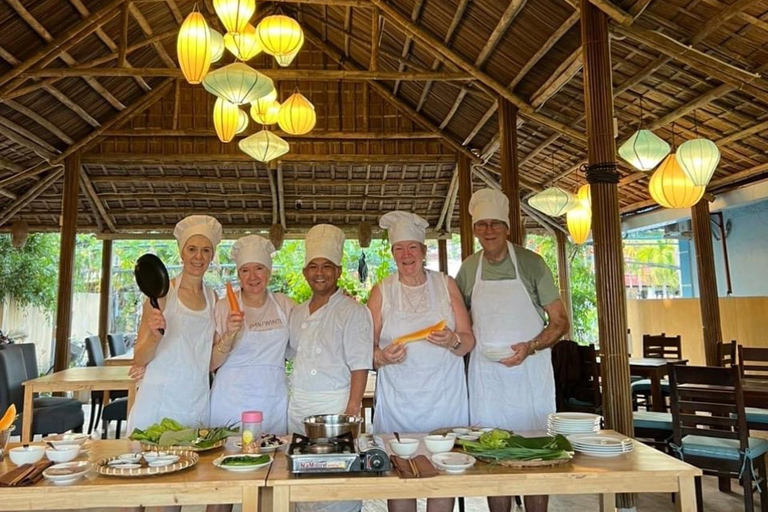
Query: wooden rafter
26 138
148 32
415 14
22 109
314 134
169 158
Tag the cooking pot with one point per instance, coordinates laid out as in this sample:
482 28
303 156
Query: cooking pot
331 425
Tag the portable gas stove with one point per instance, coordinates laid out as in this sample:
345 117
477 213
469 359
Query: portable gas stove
341 454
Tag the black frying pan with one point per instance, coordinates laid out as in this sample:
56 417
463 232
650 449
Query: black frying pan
152 278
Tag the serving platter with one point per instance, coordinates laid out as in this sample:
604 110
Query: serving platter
219 463
182 448
106 466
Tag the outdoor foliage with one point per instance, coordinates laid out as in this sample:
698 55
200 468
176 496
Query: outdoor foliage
30 274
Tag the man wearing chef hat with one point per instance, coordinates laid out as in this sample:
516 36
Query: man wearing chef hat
511 294
332 338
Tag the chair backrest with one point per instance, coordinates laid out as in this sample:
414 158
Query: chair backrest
95 352
29 353
726 354
12 374
662 346
591 371
708 401
116 344
753 362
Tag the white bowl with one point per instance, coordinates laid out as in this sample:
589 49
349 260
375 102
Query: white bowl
462 431
477 433
64 453
67 439
405 447
26 454
439 444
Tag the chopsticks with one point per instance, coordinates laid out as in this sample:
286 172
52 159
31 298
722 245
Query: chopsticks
414 469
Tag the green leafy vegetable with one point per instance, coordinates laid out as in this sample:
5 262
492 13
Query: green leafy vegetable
515 447
245 460
170 432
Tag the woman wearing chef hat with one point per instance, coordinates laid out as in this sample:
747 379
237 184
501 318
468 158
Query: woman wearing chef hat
175 383
421 385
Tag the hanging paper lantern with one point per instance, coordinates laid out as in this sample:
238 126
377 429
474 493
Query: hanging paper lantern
193 48
297 115
277 235
584 195
699 159
225 119
243 45
279 35
242 121
579 222
234 14
269 116
553 201
237 83
217 46
671 188
19 232
285 60
260 106
644 150
264 146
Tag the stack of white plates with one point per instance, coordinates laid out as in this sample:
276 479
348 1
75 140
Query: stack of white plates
567 423
601 444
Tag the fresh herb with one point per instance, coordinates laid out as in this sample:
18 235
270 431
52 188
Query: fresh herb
171 433
245 460
514 447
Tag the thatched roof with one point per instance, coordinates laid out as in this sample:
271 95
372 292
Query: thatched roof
150 155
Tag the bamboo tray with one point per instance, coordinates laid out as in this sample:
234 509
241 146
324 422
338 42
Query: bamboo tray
524 463
181 448
187 459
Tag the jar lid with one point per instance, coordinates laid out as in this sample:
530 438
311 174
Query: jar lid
252 417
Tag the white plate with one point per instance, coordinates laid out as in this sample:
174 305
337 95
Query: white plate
600 439
163 461
121 464
453 462
497 356
239 469
67 472
130 457
570 416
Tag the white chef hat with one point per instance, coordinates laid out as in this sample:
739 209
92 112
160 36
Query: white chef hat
197 225
253 249
324 241
403 226
488 203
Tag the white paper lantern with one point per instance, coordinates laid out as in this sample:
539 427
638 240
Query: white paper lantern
644 150
553 201
264 146
699 159
238 83
242 121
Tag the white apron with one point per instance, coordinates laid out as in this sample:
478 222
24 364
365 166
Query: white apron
518 398
253 378
175 384
428 390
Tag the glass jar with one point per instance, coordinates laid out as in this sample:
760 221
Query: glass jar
251 431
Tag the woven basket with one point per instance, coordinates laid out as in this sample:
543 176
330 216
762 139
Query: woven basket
526 463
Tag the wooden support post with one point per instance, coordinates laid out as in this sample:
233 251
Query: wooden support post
442 255
105 293
708 297
563 276
66 261
465 192
510 175
603 176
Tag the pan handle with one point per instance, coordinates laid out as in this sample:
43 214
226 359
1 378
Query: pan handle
153 302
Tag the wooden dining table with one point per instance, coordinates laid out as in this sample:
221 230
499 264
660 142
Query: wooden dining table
121 360
88 378
654 369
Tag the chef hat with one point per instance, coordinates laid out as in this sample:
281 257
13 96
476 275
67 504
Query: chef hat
253 249
324 241
197 225
488 203
402 226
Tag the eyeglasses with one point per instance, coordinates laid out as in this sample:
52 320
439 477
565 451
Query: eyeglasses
495 225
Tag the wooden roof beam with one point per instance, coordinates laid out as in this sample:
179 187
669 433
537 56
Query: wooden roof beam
200 158
22 109
148 32
314 134
415 14
27 139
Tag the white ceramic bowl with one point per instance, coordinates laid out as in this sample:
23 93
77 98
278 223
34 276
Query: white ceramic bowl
439 444
26 454
462 431
64 453
67 439
405 447
469 437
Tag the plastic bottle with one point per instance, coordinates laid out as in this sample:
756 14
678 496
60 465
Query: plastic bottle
251 431
629 342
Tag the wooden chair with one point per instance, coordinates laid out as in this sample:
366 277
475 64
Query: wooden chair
726 354
577 379
656 347
753 364
710 428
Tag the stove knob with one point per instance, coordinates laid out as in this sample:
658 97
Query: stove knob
376 462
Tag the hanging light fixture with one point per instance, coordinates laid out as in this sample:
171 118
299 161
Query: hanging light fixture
193 47
579 222
243 45
217 45
671 188
242 121
238 83
260 106
263 146
279 35
297 115
285 60
698 157
269 116
643 150
234 14
225 119
553 201
19 232
584 195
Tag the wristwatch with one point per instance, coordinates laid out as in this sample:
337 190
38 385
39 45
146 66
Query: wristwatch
457 343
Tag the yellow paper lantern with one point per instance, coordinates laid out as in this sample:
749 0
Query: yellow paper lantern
217 45
243 45
699 159
242 122
234 14
225 119
260 106
579 222
264 146
280 35
297 115
193 48
584 195
269 116
553 201
285 60
671 188
238 83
